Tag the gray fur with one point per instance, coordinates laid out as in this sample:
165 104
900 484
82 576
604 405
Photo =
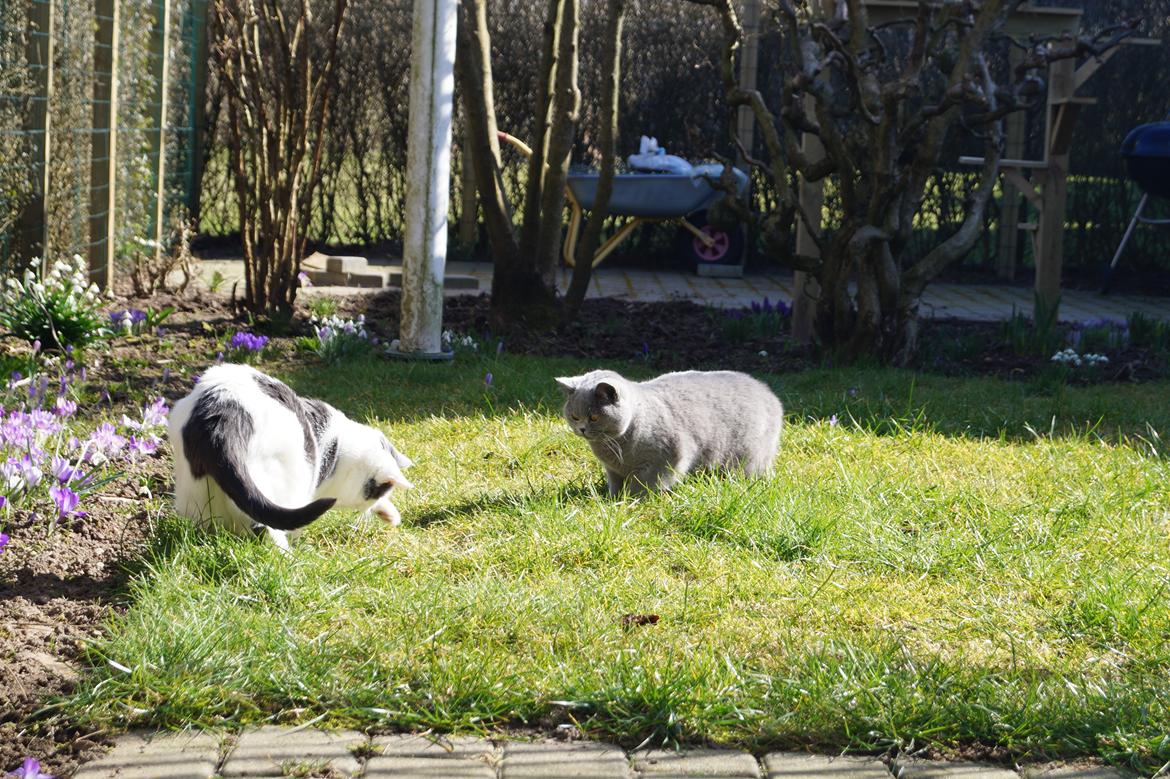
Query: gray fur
650 434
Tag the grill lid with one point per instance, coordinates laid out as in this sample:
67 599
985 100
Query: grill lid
1148 141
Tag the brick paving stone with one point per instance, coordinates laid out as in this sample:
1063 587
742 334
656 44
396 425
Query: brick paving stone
798 765
410 756
157 756
942 769
560 760
1075 771
715 763
269 750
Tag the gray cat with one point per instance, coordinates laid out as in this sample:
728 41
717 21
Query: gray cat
650 434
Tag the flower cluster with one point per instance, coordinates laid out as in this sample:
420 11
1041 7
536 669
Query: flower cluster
1097 334
779 308
127 321
29 769
335 338
453 340
1070 358
248 342
60 309
45 457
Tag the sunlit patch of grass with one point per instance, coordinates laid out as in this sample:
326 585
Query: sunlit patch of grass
951 563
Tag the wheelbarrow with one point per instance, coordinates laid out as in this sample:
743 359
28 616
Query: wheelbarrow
653 197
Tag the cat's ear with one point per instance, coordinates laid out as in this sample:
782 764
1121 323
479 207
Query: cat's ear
605 392
567 384
403 461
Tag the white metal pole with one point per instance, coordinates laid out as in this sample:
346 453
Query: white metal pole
428 171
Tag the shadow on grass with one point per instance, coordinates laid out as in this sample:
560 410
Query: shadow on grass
880 401
503 501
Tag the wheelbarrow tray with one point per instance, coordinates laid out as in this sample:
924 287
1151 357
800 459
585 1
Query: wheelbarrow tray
651 195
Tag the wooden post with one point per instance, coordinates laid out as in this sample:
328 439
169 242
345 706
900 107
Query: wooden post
469 203
806 291
104 143
1054 186
1009 212
32 229
198 108
749 58
160 51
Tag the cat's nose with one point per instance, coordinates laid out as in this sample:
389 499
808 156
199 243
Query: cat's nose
581 429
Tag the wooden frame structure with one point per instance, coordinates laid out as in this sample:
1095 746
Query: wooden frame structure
1047 189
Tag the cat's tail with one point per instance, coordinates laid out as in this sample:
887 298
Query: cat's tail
214 443
238 486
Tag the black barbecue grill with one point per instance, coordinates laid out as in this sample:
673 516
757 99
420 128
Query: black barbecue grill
1147 158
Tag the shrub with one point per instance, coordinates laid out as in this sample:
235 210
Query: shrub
62 309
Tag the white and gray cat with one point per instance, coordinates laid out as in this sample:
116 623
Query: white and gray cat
249 451
650 434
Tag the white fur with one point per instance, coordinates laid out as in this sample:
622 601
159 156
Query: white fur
276 461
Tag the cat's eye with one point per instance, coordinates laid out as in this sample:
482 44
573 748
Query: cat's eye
593 417
574 417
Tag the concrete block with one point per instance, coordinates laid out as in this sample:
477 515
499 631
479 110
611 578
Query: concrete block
366 280
1075 771
942 769
433 747
718 763
561 760
346 264
322 278
273 751
426 768
157 756
798 765
451 281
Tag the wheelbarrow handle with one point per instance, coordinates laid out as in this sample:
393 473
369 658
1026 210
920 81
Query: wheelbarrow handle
516 143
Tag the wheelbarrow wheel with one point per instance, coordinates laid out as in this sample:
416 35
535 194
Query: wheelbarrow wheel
726 247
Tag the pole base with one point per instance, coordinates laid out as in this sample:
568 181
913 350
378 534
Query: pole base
394 352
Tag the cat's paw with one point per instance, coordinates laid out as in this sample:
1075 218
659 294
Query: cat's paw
388 512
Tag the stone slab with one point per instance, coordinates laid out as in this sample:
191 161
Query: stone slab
433 747
269 751
366 280
1075 771
561 760
450 281
426 768
797 765
322 278
720 763
338 264
942 769
157 756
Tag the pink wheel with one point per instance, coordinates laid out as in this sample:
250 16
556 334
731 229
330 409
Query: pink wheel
717 250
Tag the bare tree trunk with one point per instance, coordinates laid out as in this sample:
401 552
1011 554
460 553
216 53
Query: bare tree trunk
566 112
518 290
610 100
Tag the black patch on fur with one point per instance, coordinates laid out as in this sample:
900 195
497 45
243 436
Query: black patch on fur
328 461
373 490
282 394
318 413
215 442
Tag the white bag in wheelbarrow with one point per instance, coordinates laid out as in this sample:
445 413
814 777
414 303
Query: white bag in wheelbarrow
651 158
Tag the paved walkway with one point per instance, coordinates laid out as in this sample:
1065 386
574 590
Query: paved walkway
297 752
972 302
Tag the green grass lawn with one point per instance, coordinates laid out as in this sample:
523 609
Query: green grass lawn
956 562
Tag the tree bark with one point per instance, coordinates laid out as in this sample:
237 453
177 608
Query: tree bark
610 102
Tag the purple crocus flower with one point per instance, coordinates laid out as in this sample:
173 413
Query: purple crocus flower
141 447
3 501
62 470
36 346
166 375
248 341
65 408
81 374
103 443
3 541
499 348
833 421
66 500
29 769
30 474
304 279
487 379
